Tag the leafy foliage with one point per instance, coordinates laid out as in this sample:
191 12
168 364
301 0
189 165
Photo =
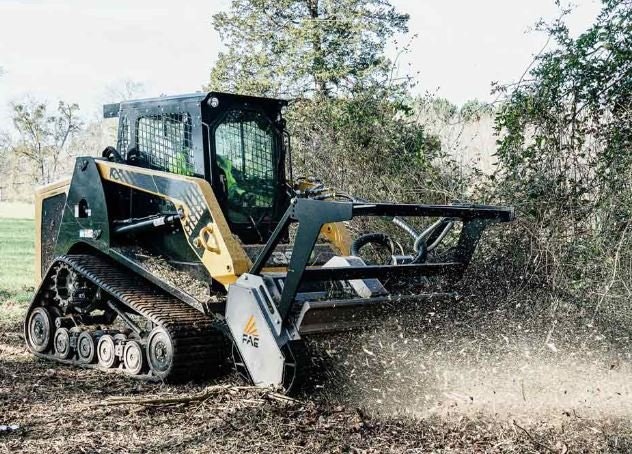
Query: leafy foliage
565 149
298 47
567 130
364 145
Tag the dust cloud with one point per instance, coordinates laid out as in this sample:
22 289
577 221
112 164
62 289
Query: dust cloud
490 363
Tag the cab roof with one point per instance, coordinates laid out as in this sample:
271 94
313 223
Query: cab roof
112 110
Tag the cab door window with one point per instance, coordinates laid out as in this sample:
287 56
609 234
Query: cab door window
164 142
245 160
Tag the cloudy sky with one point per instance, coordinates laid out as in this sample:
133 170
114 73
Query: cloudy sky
75 49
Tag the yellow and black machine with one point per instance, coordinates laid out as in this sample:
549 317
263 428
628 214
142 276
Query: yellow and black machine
203 182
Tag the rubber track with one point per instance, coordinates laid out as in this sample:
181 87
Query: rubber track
199 348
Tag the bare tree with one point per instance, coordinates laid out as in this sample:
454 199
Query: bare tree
123 90
43 137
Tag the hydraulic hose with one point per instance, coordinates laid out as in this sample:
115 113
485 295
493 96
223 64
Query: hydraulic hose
377 238
428 233
420 247
399 222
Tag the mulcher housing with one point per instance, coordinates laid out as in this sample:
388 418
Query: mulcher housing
204 182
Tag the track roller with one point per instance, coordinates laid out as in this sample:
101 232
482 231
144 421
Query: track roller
106 354
134 358
61 342
86 348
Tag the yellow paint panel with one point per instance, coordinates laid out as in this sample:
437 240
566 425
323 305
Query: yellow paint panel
222 256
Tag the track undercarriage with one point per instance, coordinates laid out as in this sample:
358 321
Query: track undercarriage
92 313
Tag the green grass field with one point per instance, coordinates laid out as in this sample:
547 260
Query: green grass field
16 266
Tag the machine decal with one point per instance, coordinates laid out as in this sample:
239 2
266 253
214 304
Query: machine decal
186 192
251 335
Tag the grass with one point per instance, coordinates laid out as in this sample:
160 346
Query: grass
16 266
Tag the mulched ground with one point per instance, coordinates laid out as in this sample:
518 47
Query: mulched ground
382 398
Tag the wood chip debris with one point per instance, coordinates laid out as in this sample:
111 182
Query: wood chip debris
243 391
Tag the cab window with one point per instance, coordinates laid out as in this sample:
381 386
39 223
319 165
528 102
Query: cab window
164 142
244 154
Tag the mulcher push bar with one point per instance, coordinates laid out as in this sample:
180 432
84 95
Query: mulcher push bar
499 214
311 215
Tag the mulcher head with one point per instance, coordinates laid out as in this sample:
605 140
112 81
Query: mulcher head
267 312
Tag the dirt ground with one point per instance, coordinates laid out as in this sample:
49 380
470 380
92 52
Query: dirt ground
454 378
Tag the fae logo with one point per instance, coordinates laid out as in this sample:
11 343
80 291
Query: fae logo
251 335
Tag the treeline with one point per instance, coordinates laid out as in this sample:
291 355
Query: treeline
38 149
39 144
43 139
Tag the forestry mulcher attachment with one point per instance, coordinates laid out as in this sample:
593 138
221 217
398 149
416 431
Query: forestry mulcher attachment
187 240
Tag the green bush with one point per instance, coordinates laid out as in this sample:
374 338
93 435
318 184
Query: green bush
565 159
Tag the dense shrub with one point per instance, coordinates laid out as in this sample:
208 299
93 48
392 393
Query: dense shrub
565 158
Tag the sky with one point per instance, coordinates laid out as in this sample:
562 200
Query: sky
83 50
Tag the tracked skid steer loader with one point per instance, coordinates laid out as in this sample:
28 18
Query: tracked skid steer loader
190 243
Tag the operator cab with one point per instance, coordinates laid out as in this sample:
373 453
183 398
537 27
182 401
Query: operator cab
237 143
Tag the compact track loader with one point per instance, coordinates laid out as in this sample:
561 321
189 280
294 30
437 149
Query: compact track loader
190 243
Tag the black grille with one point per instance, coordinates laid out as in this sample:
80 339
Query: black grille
164 142
123 136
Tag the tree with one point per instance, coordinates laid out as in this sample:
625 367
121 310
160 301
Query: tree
43 137
301 47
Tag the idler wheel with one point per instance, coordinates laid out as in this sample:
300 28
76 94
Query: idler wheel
133 358
160 352
39 330
106 352
86 348
62 343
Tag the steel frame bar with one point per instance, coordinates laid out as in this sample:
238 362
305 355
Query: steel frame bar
312 214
